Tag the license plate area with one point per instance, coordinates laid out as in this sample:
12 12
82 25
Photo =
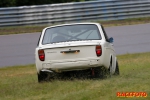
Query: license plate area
70 51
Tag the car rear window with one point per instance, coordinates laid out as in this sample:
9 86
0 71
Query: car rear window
75 32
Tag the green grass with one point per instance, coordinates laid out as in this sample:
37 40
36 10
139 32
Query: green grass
34 28
20 83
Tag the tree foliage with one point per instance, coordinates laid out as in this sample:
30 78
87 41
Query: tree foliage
12 3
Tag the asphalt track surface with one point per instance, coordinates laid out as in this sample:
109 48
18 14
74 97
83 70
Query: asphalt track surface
19 49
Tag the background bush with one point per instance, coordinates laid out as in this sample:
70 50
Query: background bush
13 3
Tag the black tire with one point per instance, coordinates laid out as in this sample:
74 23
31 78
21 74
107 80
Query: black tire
117 72
101 72
42 77
110 69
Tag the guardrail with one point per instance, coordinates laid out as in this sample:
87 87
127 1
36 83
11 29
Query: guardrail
74 12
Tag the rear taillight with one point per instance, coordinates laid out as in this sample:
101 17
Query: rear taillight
41 55
98 50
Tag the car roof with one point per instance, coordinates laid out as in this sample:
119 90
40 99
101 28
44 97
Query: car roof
74 24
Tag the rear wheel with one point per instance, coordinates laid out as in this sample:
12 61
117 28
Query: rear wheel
101 72
110 69
117 69
42 77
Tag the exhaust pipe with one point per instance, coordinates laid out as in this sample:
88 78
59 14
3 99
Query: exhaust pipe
48 71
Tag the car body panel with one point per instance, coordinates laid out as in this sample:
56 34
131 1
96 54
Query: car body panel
84 56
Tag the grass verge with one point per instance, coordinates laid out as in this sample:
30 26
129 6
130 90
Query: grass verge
20 83
32 29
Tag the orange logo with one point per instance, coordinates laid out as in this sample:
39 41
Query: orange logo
131 94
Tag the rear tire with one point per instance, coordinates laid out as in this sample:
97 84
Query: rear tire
110 69
42 77
117 69
101 72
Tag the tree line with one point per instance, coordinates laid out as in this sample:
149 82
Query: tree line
14 3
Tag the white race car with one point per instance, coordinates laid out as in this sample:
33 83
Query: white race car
75 47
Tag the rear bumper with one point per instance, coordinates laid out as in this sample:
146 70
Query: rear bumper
71 65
